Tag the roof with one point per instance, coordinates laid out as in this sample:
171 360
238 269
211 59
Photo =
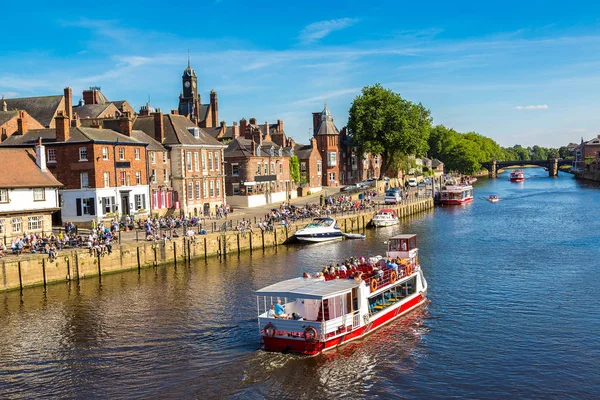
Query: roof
308 288
303 151
6 116
404 236
29 174
41 108
435 163
153 145
76 135
326 126
239 147
176 130
91 110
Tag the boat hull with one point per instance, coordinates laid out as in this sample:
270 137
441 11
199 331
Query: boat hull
318 237
456 201
307 347
380 223
517 179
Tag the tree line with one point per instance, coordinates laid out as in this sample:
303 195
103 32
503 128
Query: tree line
380 121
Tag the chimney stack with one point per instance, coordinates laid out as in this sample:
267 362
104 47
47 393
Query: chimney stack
316 121
252 121
40 155
159 127
126 124
235 130
21 123
68 102
244 128
75 121
91 96
267 133
62 127
175 112
4 105
279 125
214 105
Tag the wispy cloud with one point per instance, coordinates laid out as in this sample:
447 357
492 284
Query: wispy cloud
532 107
318 30
327 96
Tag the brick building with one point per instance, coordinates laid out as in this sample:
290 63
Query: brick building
28 198
329 145
311 165
587 154
258 165
190 102
43 109
196 161
104 172
15 121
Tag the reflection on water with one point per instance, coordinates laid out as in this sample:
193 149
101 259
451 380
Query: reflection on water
507 285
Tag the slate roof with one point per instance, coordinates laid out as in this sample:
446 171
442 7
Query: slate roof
435 163
326 126
153 145
6 116
242 147
90 110
42 108
302 151
176 130
29 175
76 135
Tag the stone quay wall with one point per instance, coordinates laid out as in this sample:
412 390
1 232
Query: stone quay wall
36 270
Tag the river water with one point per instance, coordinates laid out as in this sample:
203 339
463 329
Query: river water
514 311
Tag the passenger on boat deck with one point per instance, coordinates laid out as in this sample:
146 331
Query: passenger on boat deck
403 246
306 275
358 277
320 277
343 268
331 269
271 312
279 310
392 265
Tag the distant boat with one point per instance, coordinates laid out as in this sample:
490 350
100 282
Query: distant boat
460 194
493 198
517 176
319 230
385 217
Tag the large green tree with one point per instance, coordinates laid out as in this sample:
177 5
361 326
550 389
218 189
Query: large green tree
382 122
295 169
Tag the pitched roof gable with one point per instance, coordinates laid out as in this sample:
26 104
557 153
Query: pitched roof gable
30 175
42 108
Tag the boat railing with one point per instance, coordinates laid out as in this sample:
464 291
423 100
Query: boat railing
342 324
288 327
382 276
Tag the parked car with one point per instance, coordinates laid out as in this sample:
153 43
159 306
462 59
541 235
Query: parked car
413 182
393 196
348 188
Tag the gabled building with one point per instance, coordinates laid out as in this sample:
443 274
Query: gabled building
15 121
104 172
27 198
329 145
43 109
311 165
196 159
95 106
190 102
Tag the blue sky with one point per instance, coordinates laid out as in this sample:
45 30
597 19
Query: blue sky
519 72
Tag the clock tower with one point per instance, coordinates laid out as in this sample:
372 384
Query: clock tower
189 100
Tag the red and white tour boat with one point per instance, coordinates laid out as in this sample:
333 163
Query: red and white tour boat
517 175
456 194
333 309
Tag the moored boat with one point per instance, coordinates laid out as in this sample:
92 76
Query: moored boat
320 230
323 313
385 217
517 175
456 194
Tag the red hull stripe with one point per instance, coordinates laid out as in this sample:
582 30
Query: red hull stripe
305 347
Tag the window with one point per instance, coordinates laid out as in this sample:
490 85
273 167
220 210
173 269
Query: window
332 177
121 153
51 155
122 178
210 161
302 167
17 225
198 190
331 159
83 178
218 188
258 169
153 176
216 161
34 223
265 168
86 206
235 169
196 165
281 168
212 188
203 161
205 189
136 154
3 195
105 153
138 178
140 201
83 154
165 175
319 167
272 168
236 189
107 179
164 154
2 226
188 159
108 204
190 191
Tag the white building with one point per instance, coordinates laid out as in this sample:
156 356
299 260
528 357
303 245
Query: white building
28 193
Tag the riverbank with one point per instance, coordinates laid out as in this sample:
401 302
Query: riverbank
588 176
37 270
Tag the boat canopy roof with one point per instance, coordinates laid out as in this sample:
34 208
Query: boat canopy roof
308 288
387 210
404 236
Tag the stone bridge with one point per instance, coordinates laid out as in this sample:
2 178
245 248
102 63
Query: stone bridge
552 164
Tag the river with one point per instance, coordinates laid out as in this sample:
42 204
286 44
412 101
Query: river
514 311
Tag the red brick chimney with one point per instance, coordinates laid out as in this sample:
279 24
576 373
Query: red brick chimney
236 130
279 125
214 105
159 127
222 129
244 128
257 136
267 132
252 121
63 128
175 112
68 102
126 124
316 121
279 139
91 96
75 121
21 123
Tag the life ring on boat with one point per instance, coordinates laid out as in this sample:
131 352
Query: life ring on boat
373 285
270 330
409 269
393 277
310 334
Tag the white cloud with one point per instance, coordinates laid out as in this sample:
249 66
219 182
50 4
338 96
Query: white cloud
533 107
318 30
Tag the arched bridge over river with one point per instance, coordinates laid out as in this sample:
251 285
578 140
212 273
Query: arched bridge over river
552 164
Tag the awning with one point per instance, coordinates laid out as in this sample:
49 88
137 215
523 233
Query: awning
308 288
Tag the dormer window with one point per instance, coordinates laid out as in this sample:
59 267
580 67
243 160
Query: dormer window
271 152
195 131
280 152
257 150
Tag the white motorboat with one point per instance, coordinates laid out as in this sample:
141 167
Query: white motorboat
385 217
320 230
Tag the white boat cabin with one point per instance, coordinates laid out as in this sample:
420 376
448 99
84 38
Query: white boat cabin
404 247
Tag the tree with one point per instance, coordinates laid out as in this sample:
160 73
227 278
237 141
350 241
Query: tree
295 169
563 152
382 122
